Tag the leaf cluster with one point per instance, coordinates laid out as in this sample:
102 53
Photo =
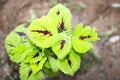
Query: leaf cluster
49 46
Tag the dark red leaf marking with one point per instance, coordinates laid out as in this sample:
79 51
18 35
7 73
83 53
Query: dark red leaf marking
62 44
21 33
30 72
43 32
36 55
11 45
62 26
58 12
84 37
69 62
38 62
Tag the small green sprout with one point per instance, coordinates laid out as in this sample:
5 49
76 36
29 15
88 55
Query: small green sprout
48 45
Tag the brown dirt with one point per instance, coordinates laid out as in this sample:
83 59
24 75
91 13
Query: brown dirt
98 13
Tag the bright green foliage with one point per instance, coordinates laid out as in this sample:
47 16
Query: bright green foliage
78 29
37 76
71 64
87 33
18 45
38 66
48 45
80 45
27 74
53 64
62 48
43 32
34 58
47 65
62 16
24 71
82 36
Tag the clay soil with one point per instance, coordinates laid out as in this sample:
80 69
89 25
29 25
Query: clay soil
98 13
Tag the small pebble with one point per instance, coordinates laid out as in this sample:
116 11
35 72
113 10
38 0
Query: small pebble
114 39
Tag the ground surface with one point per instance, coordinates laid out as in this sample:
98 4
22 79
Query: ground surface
98 13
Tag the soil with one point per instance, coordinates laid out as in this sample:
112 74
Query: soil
98 13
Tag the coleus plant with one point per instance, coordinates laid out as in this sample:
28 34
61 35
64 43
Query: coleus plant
48 45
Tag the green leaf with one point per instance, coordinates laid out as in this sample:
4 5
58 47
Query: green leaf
82 37
81 46
62 15
71 64
94 35
34 58
47 65
62 48
27 74
17 44
53 64
50 72
24 71
43 32
78 29
38 65
37 76
87 33
20 56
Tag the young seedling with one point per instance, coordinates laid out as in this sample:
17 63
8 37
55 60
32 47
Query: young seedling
48 45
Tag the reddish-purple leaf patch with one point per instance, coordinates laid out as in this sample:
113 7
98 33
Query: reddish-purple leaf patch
43 32
84 37
62 26
58 12
62 44
69 62
36 55
21 33
30 72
